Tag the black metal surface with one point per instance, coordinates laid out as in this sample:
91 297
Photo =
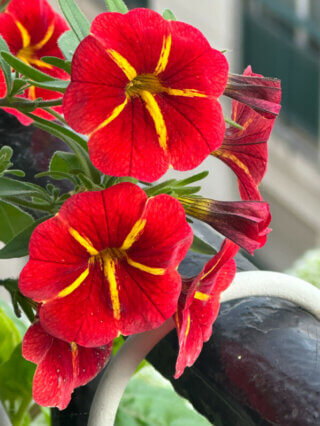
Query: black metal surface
261 366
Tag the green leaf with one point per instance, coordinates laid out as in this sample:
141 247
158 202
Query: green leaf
9 337
68 43
202 247
3 64
233 123
12 221
64 162
76 19
21 323
19 85
56 85
5 157
192 179
18 246
25 69
57 62
11 187
150 400
169 15
16 377
116 6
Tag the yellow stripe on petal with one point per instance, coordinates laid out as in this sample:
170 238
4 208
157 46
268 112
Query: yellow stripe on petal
34 61
211 269
157 117
145 268
164 55
109 269
26 38
201 296
75 360
187 93
134 234
123 64
46 37
233 158
83 241
71 288
117 111
188 324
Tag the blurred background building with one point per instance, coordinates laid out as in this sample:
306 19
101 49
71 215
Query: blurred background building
279 38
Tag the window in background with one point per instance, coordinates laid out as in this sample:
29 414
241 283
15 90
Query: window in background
282 38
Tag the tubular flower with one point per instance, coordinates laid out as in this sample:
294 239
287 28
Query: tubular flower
31 29
61 366
107 264
245 151
263 94
199 304
145 88
243 222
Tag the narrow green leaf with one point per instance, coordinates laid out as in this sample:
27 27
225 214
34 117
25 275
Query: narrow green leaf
57 176
57 62
12 221
56 85
12 187
186 190
193 179
3 64
18 246
25 69
68 43
64 162
169 15
19 85
76 19
202 247
233 123
116 6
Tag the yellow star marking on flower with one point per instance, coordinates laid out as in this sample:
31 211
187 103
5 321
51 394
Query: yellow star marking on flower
188 324
46 37
117 111
26 38
222 154
72 287
109 269
134 234
157 117
201 296
83 241
164 55
123 64
188 93
145 268
176 317
32 92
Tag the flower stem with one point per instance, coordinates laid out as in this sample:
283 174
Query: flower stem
56 115
23 104
233 123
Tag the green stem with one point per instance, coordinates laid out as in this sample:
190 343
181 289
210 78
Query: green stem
30 205
56 115
17 418
8 103
233 123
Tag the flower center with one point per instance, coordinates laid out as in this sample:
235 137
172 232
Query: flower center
144 82
27 54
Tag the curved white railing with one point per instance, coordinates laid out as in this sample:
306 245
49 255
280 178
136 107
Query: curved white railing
122 367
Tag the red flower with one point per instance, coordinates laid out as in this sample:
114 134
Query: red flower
263 94
106 264
199 304
61 367
243 222
246 151
3 87
146 91
31 29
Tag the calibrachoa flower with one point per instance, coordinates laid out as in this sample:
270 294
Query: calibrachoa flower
61 366
199 304
244 222
107 264
145 89
31 29
263 94
246 150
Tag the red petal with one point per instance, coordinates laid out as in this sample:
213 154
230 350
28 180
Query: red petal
9 31
137 35
195 127
36 343
124 147
3 87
